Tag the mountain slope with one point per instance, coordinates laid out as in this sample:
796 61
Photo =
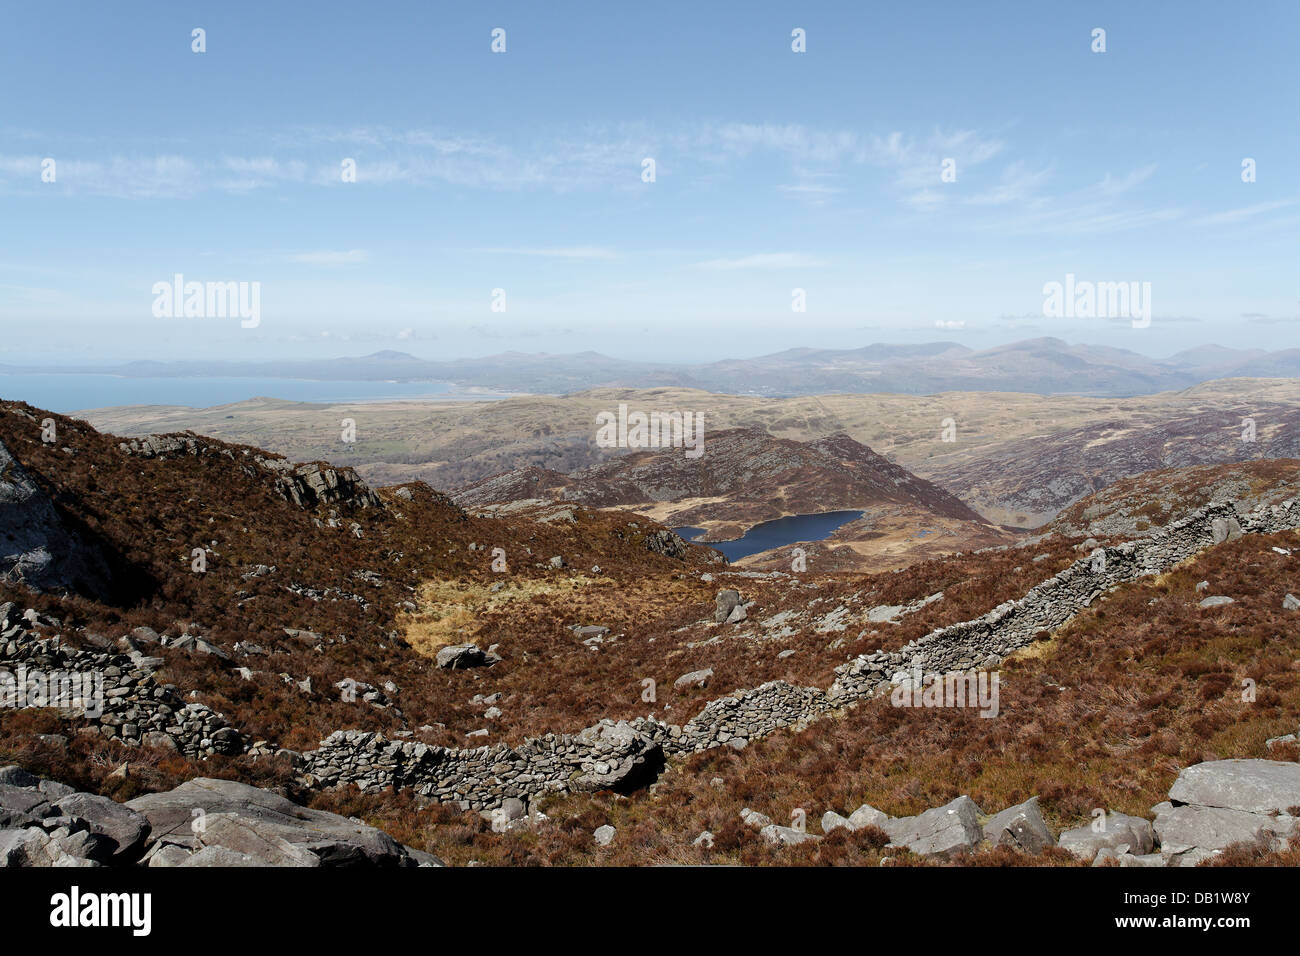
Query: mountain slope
305 596
746 477
1026 482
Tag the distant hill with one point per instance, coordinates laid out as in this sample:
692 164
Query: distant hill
747 477
1026 482
1148 501
1042 366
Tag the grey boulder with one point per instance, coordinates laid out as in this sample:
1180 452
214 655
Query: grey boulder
462 656
22 806
943 831
698 678
788 836
867 816
1121 857
725 602
335 840
1117 829
1213 828
33 847
753 818
1225 529
833 821
1254 786
16 776
124 829
1021 827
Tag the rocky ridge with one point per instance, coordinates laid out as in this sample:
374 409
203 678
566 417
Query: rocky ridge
306 485
1212 806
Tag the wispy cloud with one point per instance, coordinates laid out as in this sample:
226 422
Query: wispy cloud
918 162
1113 186
1243 213
992 191
1018 183
607 156
330 257
553 252
765 260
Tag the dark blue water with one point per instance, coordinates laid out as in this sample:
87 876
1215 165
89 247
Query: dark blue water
777 533
69 393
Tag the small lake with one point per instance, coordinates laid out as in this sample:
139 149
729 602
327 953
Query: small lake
65 393
777 533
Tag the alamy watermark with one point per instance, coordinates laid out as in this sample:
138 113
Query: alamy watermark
978 689
208 300
1098 300
81 693
656 430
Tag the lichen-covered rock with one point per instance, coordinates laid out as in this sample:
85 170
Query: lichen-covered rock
694 679
867 816
788 836
725 602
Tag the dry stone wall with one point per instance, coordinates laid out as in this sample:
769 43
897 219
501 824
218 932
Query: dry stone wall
986 640
127 704
627 753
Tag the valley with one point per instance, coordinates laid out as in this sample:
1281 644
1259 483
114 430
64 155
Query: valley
491 680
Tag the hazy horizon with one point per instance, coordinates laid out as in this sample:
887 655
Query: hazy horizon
324 354
898 174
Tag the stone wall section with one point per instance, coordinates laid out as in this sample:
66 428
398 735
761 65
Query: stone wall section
135 708
624 753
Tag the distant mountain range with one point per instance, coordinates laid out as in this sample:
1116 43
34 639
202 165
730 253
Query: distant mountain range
1043 366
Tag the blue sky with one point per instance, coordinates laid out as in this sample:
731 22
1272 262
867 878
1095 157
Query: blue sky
521 171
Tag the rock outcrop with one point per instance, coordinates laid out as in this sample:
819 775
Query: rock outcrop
37 547
943 831
1114 831
202 822
240 818
1021 827
1215 804
306 485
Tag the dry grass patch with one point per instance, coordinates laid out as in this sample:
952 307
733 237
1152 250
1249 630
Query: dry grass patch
452 612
